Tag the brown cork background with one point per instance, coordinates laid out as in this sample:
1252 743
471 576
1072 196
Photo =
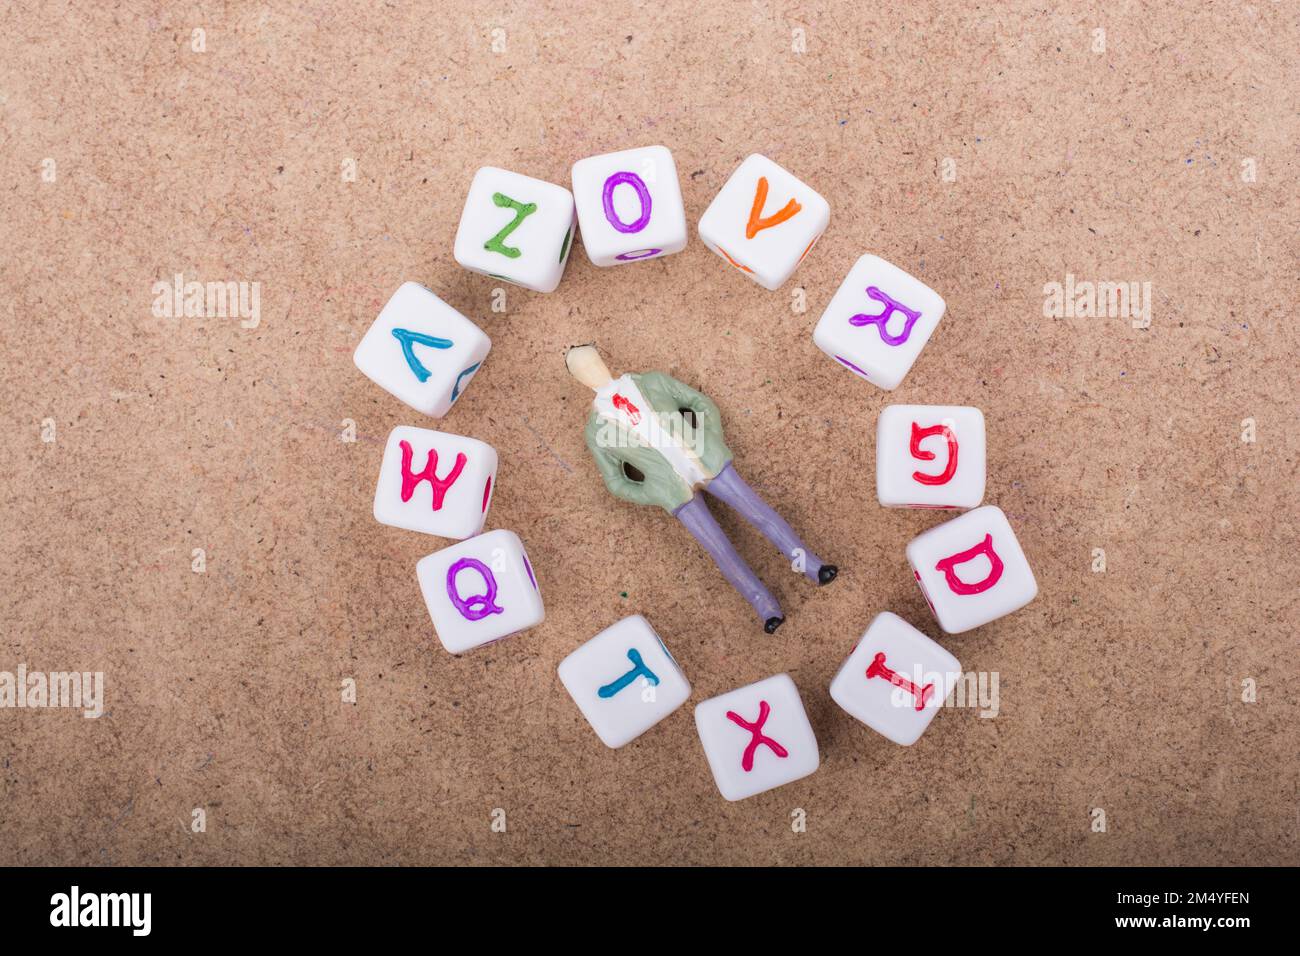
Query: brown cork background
1119 690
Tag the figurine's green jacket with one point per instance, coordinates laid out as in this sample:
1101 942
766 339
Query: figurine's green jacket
662 486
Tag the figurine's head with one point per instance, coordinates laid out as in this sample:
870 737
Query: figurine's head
585 364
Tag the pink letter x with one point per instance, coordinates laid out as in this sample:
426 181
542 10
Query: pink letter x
756 728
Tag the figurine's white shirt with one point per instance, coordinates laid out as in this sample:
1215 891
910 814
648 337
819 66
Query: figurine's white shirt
619 400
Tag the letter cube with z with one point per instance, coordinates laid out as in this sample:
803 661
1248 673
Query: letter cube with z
895 680
971 569
624 681
764 221
421 350
757 737
480 590
629 206
878 321
435 482
516 228
930 456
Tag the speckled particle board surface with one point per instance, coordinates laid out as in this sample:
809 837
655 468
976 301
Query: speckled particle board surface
989 150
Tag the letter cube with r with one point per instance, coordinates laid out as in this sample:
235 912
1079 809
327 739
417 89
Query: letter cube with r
629 206
516 228
435 482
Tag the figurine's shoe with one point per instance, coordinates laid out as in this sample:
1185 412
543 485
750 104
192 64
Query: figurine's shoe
772 624
826 574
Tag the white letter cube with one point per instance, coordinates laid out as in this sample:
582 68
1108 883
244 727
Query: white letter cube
896 679
930 456
480 590
435 482
878 321
629 206
624 681
516 228
757 737
421 350
971 569
750 224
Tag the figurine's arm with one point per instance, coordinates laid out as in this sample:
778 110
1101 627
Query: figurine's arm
660 486
708 441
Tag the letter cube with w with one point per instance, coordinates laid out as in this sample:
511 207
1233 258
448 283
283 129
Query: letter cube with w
480 590
516 228
435 482
624 681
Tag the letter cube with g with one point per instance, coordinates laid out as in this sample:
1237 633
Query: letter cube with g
516 228
435 482
624 681
971 569
629 206
930 456
480 590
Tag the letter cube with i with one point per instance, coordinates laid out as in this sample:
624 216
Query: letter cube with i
895 680
421 350
757 737
480 590
624 681
930 456
516 228
629 206
878 321
435 482
971 569
764 221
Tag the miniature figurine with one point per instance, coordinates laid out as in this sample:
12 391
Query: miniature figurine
659 442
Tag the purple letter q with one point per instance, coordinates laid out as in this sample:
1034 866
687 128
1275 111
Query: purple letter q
477 606
643 194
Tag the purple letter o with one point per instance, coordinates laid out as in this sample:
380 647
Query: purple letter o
643 194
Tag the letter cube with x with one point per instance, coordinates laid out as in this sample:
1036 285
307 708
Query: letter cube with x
757 737
971 569
930 456
516 228
480 590
435 482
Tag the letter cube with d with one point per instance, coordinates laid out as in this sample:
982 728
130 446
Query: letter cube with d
930 456
435 482
516 228
480 590
629 206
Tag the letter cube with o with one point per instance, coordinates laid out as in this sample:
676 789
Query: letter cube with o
930 456
972 570
764 221
435 482
516 228
480 590
421 350
624 681
629 206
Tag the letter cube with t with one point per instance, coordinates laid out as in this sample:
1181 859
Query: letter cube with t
421 350
895 680
435 482
629 206
878 321
764 221
624 681
516 228
757 737
971 569
930 456
480 590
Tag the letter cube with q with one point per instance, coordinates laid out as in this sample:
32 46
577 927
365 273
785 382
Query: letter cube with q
971 569
629 206
480 590
435 482
930 456
516 228
624 681
757 737
895 680
421 350
764 221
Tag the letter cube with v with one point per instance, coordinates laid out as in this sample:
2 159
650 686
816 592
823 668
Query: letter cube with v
624 681
971 569
421 350
435 482
757 737
764 221
516 228
878 321
895 680
930 456
629 206
480 590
